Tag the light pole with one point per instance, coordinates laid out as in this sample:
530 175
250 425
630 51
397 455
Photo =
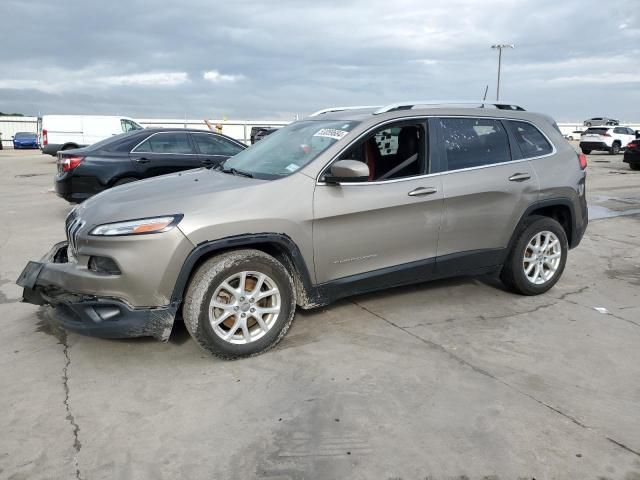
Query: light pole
499 47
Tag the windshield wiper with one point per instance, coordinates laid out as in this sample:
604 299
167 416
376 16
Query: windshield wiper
235 171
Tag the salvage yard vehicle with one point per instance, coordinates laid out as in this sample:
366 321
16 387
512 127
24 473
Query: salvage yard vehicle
136 155
632 154
64 132
25 140
258 133
346 201
597 121
607 139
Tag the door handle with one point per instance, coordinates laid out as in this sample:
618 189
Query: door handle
519 177
142 160
422 191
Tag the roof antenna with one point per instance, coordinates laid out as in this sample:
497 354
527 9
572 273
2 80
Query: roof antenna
486 90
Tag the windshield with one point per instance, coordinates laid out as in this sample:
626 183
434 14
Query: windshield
25 135
290 148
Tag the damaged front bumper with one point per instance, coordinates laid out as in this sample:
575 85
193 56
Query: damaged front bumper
44 283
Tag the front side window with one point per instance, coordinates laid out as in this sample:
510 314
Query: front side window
169 142
211 144
393 151
531 141
290 148
473 142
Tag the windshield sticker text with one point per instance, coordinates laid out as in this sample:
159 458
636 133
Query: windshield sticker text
331 133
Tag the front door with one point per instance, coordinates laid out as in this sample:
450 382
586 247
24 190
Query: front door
164 152
387 226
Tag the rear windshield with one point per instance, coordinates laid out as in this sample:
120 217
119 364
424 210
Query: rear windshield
596 131
25 135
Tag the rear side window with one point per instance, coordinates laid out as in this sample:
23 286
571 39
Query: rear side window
170 142
473 142
531 141
211 144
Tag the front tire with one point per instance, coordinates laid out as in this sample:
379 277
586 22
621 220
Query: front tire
239 304
538 257
634 166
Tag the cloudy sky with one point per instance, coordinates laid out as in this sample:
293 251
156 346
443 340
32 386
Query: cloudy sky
257 60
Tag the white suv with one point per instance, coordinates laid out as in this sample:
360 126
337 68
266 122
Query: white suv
607 139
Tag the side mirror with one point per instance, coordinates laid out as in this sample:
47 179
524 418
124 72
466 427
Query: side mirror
348 171
637 133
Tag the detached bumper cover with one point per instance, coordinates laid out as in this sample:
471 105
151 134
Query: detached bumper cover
88 314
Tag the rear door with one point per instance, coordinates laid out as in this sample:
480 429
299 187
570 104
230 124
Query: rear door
487 187
213 148
164 152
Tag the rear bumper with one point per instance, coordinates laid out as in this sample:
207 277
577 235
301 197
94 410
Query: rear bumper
631 157
51 149
594 146
66 188
91 315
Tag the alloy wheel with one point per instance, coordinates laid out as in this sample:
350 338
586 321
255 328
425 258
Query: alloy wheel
244 307
542 257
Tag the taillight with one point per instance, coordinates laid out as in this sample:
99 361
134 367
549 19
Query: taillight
69 163
633 145
582 158
45 139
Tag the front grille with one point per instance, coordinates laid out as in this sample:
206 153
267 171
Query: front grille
73 225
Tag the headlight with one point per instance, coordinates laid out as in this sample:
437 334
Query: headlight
137 227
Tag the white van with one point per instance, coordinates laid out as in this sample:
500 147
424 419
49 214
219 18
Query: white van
63 132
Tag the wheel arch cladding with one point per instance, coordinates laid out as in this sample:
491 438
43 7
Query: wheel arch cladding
279 246
559 212
560 209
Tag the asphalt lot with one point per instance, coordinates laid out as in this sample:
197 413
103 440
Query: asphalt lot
452 379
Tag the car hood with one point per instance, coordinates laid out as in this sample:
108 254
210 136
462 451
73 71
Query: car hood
187 192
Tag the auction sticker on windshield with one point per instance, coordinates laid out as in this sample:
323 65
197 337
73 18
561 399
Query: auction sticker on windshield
331 133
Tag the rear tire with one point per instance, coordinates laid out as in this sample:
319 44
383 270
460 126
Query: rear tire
253 307
534 267
634 166
588 124
585 151
69 146
615 148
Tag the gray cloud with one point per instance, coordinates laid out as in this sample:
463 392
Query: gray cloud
243 59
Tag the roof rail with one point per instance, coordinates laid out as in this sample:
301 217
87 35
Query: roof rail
478 103
340 109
